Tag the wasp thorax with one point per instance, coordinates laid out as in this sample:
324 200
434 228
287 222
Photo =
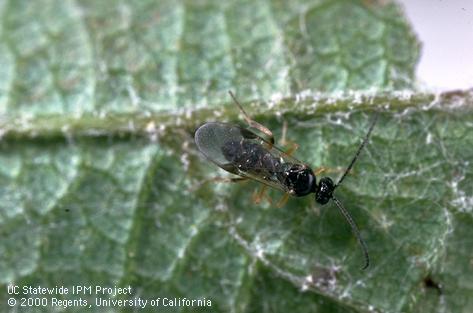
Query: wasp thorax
324 190
299 179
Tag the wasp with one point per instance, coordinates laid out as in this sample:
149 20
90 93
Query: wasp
240 151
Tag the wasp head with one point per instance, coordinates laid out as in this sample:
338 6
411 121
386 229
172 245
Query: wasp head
324 190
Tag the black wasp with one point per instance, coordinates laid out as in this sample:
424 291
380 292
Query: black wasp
241 152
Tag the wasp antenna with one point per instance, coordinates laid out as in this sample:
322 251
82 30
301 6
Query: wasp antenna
359 149
355 230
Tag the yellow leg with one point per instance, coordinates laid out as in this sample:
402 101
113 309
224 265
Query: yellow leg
283 200
284 142
254 124
258 195
323 169
294 146
319 170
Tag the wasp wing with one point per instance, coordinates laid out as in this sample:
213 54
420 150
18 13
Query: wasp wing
240 151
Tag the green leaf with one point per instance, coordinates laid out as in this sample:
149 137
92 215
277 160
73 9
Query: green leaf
101 183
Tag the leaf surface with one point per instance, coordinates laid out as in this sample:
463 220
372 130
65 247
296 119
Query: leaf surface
102 185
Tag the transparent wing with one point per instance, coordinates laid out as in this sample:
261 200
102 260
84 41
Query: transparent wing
244 153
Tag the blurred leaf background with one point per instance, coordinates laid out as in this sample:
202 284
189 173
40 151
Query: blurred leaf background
101 183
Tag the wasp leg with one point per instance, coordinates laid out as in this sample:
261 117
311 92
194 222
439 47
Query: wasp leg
283 200
284 142
319 170
257 196
252 123
323 169
293 147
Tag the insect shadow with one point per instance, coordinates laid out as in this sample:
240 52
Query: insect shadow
242 152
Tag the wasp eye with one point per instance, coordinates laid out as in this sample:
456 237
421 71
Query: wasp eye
324 190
